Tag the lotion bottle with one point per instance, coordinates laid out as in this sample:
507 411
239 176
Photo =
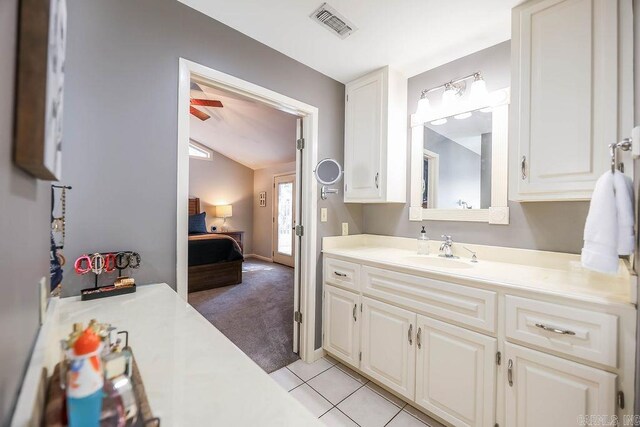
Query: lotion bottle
423 242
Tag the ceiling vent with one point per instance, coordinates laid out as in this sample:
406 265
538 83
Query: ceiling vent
327 16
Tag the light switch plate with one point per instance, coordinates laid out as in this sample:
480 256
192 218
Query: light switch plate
323 214
345 228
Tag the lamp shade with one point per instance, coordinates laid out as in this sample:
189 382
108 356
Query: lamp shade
224 211
479 93
424 107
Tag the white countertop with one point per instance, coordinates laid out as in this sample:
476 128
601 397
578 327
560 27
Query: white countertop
539 271
192 373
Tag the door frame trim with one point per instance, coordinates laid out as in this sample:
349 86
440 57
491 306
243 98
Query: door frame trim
308 250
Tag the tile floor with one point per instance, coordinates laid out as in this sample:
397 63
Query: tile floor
341 397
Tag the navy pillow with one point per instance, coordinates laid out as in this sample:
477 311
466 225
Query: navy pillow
197 223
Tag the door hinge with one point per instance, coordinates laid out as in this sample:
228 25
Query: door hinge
498 358
360 357
297 317
299 230
300 144
621 399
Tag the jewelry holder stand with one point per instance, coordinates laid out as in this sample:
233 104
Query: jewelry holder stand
96 291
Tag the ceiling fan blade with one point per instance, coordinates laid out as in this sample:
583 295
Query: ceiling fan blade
206 102
199 114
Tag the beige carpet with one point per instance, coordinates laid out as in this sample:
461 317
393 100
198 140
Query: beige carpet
257 315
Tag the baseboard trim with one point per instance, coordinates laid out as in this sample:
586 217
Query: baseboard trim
260 257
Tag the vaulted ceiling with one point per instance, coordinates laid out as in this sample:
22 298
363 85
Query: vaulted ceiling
411 35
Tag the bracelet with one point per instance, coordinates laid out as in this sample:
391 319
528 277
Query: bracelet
61 259
134 260
109 263
78 266
122 260
97 263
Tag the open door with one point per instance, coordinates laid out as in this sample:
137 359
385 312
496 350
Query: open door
297 240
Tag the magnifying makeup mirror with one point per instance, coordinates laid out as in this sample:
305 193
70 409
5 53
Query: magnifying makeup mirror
328 172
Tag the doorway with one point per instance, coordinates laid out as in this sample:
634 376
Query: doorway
304 257
284 211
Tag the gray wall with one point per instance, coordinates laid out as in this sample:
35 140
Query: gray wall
458 171
545 226
262 222
24 232
222 181
121 100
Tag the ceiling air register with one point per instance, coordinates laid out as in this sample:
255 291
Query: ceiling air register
330 19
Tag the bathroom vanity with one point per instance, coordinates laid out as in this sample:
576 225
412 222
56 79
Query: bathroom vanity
519 338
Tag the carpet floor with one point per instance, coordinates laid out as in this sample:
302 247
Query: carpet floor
256 315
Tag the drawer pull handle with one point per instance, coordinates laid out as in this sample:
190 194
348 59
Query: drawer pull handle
410 334
339 274
355 310
510 373
554 330
418 338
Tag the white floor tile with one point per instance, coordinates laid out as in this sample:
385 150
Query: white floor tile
306 371
287 379
335 418
353 374
403 419
334 385
368 409
311 400
422 416
384 393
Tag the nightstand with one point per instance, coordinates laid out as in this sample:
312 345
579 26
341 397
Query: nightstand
238 236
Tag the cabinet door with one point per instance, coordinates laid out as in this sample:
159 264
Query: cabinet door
388 345
565 94
363 137
544 390
341 332
455 373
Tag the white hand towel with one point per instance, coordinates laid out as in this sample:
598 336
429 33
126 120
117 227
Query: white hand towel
600 251
623 187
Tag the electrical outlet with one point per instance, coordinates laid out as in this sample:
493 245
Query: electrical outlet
345 228
323 214
44 297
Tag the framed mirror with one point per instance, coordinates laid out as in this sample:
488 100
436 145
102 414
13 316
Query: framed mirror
459 161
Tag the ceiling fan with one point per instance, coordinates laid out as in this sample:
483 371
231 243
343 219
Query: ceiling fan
202 103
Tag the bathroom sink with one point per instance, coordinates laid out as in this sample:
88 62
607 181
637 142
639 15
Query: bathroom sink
438 262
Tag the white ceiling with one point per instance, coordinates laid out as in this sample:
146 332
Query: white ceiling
410 35
244 130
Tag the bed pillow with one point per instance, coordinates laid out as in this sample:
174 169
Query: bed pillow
197 223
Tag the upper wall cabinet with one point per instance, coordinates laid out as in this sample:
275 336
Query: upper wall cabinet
375 141
566 107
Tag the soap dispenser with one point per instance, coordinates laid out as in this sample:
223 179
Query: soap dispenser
423 242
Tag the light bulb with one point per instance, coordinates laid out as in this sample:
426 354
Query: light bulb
449 96
439 122
479 93
462 116
424 107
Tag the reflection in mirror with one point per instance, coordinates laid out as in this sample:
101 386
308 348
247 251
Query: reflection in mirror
457 162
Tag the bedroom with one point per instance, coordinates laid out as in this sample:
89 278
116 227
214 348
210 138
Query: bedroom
242 176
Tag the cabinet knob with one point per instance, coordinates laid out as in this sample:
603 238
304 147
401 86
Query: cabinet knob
510 373
418 338
377 179
523 167
355 309
410 334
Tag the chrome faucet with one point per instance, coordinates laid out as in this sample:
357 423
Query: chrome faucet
445 247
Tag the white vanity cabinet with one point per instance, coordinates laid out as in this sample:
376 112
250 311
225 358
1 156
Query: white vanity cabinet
376 138
341 332
548 391
564 96
455 373
479 353
388 345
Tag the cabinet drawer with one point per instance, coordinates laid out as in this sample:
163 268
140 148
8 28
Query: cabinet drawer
342 273
576 332
449 301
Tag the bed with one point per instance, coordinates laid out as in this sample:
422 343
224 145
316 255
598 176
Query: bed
215 260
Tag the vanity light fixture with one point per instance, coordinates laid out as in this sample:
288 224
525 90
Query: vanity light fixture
453 90
462 116
439 122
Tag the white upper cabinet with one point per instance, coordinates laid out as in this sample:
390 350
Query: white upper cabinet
565 103
375 143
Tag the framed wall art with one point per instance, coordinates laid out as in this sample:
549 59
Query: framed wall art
40 84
